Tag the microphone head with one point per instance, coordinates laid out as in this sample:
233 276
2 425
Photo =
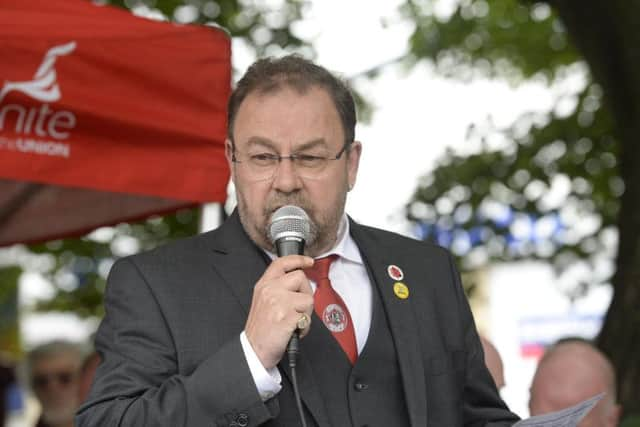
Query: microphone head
290 222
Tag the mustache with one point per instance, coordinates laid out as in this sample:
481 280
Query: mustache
279 201
296 199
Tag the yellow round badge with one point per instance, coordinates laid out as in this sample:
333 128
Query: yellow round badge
401 290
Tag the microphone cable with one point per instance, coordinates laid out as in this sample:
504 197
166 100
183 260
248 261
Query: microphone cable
293 348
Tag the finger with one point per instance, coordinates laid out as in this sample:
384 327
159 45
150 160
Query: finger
299 321
298 282
305 285
301 303
281 296
304 320
283 265
294 281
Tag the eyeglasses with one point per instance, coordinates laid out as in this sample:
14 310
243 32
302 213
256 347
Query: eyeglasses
263 165
40 381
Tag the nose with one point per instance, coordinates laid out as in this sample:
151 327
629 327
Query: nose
286 177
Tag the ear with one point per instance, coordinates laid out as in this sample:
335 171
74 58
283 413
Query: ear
614 415
353 162
228 153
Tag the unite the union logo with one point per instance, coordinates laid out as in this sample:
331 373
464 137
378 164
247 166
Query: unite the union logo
44 86
39 129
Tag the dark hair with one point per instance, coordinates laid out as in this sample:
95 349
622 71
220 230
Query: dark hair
272 74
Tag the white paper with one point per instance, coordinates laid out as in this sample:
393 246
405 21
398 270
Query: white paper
569 417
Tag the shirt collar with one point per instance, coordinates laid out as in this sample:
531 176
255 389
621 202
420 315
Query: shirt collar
345 247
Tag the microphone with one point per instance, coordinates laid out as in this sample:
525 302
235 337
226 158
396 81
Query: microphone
290 230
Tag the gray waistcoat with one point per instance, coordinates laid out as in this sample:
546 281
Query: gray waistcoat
369 393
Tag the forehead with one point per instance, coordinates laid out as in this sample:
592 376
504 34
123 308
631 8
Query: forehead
288 118
52 362
566 380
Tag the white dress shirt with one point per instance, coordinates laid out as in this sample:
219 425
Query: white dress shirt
350 280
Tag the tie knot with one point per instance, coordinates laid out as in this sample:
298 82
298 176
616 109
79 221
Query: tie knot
320 269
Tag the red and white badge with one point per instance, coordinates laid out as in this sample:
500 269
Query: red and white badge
334 318
395 272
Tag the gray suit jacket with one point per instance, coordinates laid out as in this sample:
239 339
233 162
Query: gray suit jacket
172 355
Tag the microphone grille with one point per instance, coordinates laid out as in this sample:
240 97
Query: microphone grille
290 221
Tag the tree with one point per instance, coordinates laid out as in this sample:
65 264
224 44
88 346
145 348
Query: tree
587 153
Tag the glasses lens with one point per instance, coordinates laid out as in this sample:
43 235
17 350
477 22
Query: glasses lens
263 167
309 166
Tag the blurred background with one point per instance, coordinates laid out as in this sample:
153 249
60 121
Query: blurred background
505 131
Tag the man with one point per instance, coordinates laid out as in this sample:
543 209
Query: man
194 333
571 371
53 372
493 361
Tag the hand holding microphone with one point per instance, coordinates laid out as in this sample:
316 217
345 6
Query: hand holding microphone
282 299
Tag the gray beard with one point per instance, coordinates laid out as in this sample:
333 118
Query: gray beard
323 237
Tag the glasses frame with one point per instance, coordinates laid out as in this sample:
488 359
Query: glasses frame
291 157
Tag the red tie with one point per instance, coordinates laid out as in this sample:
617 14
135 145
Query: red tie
330 308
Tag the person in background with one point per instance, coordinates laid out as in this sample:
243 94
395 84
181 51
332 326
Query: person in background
570 371
493 361
54 370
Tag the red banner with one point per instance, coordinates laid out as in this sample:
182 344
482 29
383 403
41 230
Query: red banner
94 98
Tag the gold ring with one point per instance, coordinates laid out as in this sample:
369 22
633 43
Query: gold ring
303 321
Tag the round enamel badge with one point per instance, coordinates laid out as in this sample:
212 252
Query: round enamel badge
401 290
395 272
334 318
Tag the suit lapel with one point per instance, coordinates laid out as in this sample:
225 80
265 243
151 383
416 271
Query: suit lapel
402 320
237 260
241 263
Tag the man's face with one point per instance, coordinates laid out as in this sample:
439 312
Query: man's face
287 122
55 383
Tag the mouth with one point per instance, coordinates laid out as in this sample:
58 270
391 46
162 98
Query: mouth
271 211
